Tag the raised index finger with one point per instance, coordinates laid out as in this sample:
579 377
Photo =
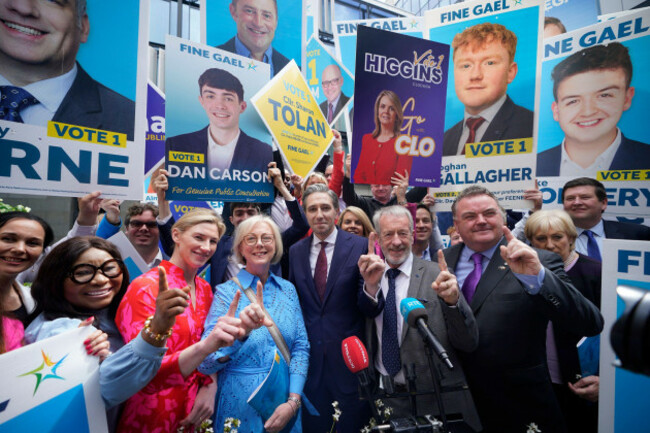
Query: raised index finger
442 262
233 305
162 279
508 234
372 239
260 294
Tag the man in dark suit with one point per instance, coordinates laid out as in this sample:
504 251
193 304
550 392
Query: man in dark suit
256 23
323 267
513 291
45 76
585 200
449 318
483 67
224 146
591 90
332 81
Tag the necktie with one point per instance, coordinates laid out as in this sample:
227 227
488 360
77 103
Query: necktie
320 272
592 246
330 113
473 124
389 343
13 100
470 283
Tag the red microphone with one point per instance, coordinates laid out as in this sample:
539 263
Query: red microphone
354 354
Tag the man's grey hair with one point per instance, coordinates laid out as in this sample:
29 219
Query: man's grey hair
81 11
319 187
472 191
396 211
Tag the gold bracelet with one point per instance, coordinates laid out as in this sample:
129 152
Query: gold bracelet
158 337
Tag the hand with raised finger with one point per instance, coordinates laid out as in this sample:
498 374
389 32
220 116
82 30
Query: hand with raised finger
97 345
203 407
169 304
228 328
254 316
445 284
280 417
371 267
521 258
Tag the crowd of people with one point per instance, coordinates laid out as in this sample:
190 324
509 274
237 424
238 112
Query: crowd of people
321 264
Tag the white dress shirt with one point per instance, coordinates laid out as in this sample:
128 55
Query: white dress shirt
602 162
220 156
315 250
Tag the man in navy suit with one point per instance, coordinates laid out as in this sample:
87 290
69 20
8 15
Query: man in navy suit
513 291
483 67
39 42
323 267
585 200
225 147
256 23
592 89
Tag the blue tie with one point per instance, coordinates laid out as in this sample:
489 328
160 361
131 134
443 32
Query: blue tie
389 343
592 246
12 101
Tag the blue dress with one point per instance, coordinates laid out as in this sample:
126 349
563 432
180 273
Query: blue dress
251 359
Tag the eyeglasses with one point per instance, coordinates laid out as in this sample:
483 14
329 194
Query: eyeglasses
252 239
85 272
333 82
138 224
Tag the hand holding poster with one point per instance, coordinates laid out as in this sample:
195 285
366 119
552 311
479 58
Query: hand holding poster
399 113
291 113
226 159
52 386
489 121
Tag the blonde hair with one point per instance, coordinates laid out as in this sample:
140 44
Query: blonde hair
312 175
555 219
246 226
361 215
198 216
479 35
399 111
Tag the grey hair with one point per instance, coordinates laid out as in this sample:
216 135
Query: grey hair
80 11
472 191
396 211
245 228
319 187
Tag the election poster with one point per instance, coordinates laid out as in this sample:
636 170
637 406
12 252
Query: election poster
329 81
216 147
291 113
267 30
400 89
492 94
572 14
623 404
593 109
69 122
52 386
154 156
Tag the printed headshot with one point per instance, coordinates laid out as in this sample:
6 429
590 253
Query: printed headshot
332 84
257 21
40 77
379 161
483 67
224 144
591 91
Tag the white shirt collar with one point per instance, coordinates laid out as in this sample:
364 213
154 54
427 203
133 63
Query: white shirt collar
489 113
330 239
602 162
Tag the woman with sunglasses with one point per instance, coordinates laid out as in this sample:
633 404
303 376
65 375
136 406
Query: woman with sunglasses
242 367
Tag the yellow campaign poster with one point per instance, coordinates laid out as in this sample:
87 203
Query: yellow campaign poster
294 118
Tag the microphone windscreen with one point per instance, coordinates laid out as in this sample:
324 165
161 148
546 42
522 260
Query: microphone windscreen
411 310
355 354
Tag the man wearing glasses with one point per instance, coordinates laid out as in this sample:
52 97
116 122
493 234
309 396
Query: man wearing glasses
332 81
142 232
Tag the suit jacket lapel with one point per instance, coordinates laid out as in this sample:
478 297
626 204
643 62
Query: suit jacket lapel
499 124
417 271
494 272
303 257
342 250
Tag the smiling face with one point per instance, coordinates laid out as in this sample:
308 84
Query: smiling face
479 222
195 245
44 34
386 113
331 81
259 255
423 225
395 238
482 75
590 104
222 107
142 230
381 193
582 204
351 224
256 23
320 213
553 240
21 243
100 291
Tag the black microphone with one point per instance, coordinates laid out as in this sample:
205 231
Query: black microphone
416 316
